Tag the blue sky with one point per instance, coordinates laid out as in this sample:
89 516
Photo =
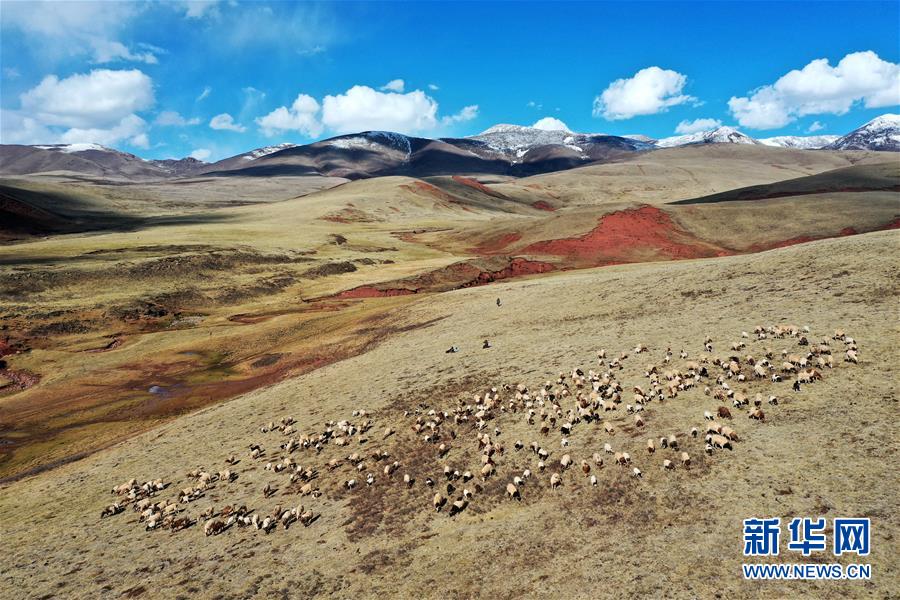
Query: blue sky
168 79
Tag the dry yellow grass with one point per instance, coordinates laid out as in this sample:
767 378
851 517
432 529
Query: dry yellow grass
826 451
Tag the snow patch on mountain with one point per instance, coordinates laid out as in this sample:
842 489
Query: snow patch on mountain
266 150
719 135
801 142
881 134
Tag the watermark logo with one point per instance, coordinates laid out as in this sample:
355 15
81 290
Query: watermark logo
807 536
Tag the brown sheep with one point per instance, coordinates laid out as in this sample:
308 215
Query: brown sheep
724 413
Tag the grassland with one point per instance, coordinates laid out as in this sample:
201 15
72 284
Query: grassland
824 451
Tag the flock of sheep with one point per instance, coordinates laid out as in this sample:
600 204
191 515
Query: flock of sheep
591 402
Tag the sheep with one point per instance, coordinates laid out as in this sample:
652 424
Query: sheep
585 467
694 432
458 506
757 414
555 481
486 471
708 415
513 492
852 357
593 480
565 461
685 459
651 448
608 427
709 448
635 472
723 412
438 501
720 441
668 465
638 421
598 460
213 527
607 448
112 509
673 442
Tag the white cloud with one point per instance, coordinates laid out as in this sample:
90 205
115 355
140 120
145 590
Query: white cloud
433 87
361 109
108 51
819 88
535 105
11 73
201 154
197 9
204 94
394 85
98 99
650 91
686 127
302 116
815 126
17 128
62 29
466 114
171 118
226 122
551 124
130 128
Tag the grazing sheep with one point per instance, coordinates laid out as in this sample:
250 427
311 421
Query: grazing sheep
555 481
438 502
458 506
565 461
852 357
638 421
724 413
635 472
593 480
673 441
694 432
513 492
685 459
668 465
607 448
757 414
608 427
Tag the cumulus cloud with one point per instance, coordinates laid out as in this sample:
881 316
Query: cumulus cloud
551 124
301 116
130 129
820 88
394 85
649 91
361 108
696 125
96 99
171 118
466 114
95 107
201 154
226 122
815 126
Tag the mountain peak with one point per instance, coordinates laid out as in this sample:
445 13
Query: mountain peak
880 134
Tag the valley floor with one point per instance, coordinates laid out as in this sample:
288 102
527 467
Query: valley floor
828 450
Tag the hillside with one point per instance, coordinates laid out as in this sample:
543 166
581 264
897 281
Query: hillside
387 539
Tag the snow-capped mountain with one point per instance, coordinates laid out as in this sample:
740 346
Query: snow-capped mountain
516 141
800 142
881 133
266 150
70 148
720 135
